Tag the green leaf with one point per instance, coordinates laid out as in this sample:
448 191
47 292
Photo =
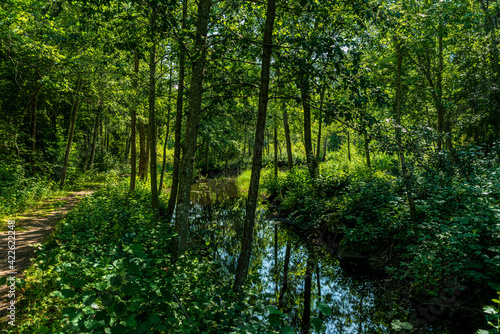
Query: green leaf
154 318
134 269
407 326
482 331
72 313
318 325
115 280
88 299
137 250
272 309
130 321
56 294
130 289
490 310
325 309
397 325
120 309
107 299
286 330
91 324
67 293
274 320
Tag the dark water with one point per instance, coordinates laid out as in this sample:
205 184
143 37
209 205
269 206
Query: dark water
361 301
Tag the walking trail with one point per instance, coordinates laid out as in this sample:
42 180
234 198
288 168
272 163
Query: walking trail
30 230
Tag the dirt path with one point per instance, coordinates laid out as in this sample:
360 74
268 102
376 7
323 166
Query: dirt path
30 230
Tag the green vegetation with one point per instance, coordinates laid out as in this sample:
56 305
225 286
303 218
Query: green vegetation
455 234
376 121
109 268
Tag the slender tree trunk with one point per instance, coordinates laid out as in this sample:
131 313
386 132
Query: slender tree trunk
107 134
442 118
306 316
491 28
192 124
276 258
34 106
86 148
101 135
367 150
178 124
397 115
142 151
94 139
244 141
348 146
148 148
246 244
318 280
71 130
275 147
320 125
284 285
287 137
152 121
127 148
133 124
325 140
168 130
306 104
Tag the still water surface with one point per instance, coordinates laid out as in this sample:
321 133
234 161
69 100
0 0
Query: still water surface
361 301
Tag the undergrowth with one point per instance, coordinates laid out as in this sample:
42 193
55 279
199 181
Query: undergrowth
109 269
455 232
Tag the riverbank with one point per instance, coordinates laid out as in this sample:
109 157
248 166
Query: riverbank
362 215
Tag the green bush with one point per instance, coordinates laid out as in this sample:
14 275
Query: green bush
18 191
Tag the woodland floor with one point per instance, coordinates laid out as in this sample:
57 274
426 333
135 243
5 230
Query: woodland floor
30 229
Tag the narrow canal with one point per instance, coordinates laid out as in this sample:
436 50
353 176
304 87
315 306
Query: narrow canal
344 298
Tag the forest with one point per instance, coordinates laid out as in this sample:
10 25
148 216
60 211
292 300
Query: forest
279 166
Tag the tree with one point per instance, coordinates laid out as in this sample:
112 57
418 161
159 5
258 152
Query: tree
192 123
246 243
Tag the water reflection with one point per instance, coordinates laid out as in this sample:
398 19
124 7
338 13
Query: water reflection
359 302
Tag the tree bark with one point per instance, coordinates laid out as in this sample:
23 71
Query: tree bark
148 148
348 146
306 104
152 115
133 124
166 135
397 116
276 258
275 147
320 125
246 244
192 123
284 285
325 143
34 106
367 150
94 139
306 316
71 130
287 137
86 147
178 124
142 151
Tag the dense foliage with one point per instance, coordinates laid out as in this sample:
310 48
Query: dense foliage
456 232
109 269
